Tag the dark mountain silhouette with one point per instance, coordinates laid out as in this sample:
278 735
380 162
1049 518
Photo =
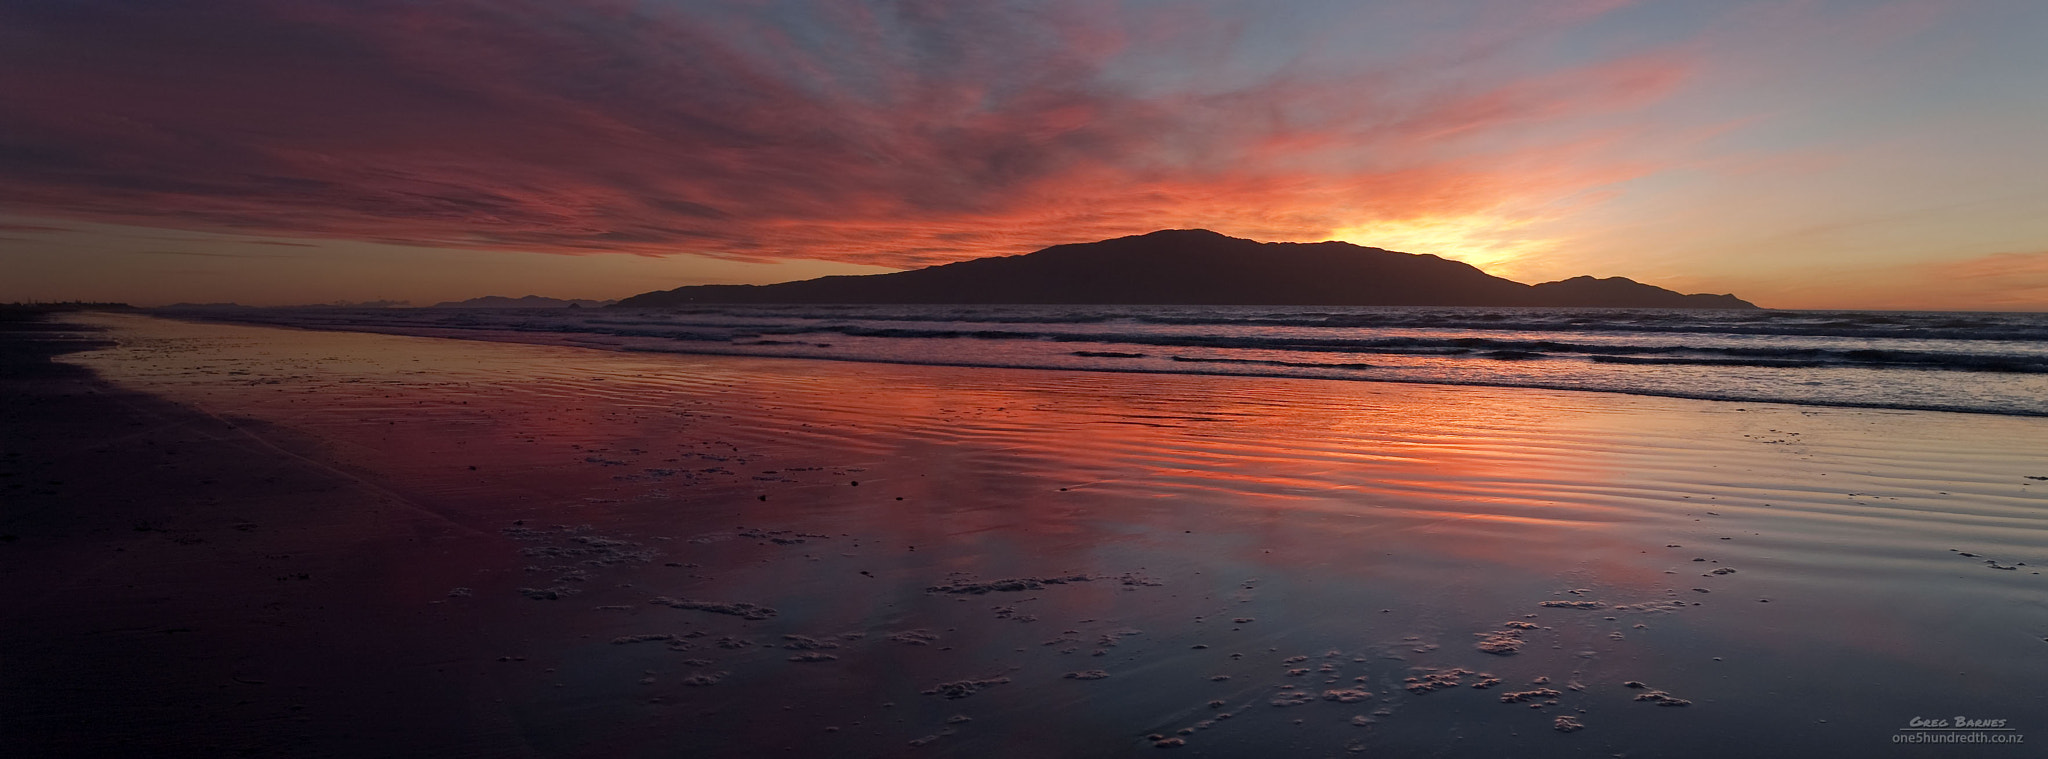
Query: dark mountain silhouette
528 301
1197 267
1622 292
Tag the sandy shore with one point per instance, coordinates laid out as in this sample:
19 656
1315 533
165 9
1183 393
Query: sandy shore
183 586
345 543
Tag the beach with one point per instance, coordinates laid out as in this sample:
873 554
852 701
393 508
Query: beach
264 540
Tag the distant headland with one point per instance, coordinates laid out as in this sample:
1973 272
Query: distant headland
528 301
1198 267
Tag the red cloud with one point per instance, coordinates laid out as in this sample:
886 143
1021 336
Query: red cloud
921 133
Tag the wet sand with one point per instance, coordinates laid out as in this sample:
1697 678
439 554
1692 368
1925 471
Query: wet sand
349 543
182 586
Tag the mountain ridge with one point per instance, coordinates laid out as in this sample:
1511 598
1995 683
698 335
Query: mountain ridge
1197 267
525 301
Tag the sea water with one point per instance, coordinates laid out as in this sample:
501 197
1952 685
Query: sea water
1993 363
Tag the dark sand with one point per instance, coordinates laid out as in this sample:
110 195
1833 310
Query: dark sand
184 587
302 543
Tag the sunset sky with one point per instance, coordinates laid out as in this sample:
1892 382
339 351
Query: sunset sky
1857 154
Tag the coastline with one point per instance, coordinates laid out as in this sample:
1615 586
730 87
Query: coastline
1392 524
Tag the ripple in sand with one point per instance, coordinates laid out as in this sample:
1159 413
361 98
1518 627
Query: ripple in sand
780 537
1516 697
964 688
918 637
1651 607
1109 639
1572 604
807 643
1010 613
738 609
1661 698
1288 698
1431 680
1500 642
576 543
644 638
548 594
1009 585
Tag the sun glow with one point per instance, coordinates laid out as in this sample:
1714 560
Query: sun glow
1496 244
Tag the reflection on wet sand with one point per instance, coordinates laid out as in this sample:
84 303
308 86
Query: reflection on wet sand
724 555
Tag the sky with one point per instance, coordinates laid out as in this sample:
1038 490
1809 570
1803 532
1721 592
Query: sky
1860 154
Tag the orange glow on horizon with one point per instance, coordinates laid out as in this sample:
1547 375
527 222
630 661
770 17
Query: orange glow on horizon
1495 245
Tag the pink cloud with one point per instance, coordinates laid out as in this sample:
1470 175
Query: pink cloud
1991 282
897 135
2004 281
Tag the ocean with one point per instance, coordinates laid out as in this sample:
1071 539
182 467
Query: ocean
1992 363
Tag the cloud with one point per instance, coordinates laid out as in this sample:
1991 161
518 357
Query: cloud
2004 281
205 254
893 133
2011 281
